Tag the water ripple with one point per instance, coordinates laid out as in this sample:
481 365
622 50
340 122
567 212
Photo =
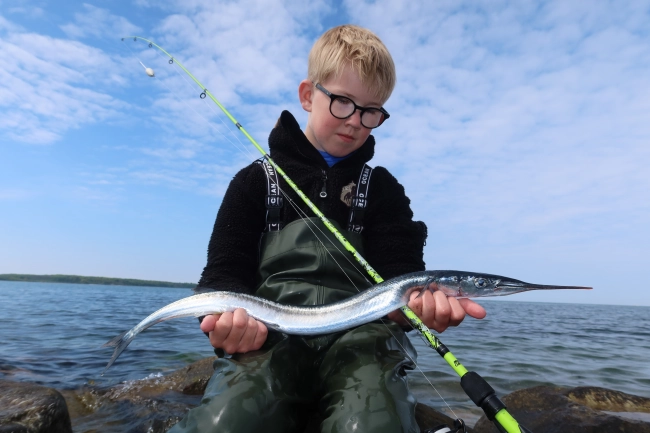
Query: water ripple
518 345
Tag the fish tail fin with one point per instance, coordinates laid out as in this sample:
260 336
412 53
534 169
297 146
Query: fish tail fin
115 341
119 343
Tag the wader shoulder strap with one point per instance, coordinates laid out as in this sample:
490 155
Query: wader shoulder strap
360 201
274 201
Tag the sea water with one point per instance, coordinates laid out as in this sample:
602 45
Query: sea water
51 334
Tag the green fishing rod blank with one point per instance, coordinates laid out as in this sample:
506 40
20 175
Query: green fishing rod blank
503 420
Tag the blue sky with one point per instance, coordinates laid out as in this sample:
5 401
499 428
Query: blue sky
519 130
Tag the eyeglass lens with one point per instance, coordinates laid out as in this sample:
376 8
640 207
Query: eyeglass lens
343 107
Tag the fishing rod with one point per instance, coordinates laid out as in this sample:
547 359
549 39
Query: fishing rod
477 388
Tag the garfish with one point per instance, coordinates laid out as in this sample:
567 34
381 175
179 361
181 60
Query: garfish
365 307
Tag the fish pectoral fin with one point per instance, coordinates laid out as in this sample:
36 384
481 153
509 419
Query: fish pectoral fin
272 325
430 286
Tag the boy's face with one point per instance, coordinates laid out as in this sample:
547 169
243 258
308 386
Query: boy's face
338 137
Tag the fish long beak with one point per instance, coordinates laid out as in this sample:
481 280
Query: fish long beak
520 286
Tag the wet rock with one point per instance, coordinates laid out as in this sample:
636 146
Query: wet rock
189 380
546 409
155 404
193 379
428 417
150 405
29 408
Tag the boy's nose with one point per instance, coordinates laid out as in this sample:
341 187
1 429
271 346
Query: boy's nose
355 119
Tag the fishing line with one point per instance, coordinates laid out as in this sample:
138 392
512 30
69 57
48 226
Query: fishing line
475 386
244 149
239 144
305 219
302 214
306 200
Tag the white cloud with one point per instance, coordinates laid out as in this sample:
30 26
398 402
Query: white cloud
519 128
520 125
31 11
49 86
510 108
251 55
99 23
257 47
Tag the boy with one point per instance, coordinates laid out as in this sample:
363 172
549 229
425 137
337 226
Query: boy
355 379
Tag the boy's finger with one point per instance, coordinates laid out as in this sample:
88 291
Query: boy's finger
260 337
413 296
248 338
240 318
472 308
457 313
239 325
221 330
415 303
443 312
427 307
208 322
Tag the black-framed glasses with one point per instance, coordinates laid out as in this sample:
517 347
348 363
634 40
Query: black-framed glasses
343 107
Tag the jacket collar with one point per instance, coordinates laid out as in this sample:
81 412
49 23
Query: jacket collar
287 139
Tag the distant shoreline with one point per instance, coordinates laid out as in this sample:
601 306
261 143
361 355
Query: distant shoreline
78 279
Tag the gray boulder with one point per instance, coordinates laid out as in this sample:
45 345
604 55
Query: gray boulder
153 404
157 403
547 409
30 408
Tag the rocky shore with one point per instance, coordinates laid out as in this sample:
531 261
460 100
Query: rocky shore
155 404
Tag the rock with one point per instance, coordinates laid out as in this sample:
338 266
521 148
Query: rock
190 380
29 408
428 417
193 379
155 404
547 409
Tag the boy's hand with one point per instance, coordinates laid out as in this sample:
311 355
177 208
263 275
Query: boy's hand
439 312
235 332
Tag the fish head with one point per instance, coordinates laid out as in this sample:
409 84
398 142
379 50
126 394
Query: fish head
475 285
460 284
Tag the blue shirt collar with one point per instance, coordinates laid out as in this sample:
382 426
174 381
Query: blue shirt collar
331 160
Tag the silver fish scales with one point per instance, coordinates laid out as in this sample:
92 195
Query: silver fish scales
365 307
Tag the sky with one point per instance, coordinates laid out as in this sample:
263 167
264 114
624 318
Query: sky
519 129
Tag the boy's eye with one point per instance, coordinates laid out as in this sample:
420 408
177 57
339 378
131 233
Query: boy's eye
373 113
342 108
343 101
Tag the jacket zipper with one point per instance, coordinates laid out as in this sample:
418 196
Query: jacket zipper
323 191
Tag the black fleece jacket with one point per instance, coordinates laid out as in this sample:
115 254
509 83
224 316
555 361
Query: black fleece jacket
393 242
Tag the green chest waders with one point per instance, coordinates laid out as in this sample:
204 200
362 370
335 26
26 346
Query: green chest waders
353 381
304 264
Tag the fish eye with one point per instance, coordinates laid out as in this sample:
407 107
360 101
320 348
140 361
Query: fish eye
480 283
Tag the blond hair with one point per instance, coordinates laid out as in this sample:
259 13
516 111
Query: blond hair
359 48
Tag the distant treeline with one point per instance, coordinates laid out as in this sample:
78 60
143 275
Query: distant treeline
78 279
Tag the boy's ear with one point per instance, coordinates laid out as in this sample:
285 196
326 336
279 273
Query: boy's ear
306 94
